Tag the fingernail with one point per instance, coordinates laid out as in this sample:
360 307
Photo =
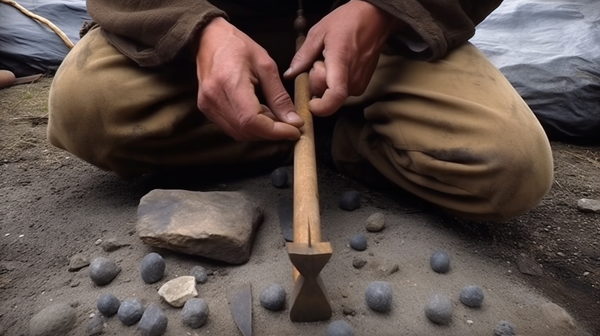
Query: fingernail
288 72
294 118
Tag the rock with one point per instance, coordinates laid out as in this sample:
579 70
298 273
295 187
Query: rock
78 262
350 200
177 291
199 273
285 210
379 296
55 320
557 318
529 266
439 309
440 261
111 245
358 242
358 263
339 328
153 321
348 311
273 297
108 304
588 205
216 225
376 222
472 296
130 311
95 326
152 268
195 313
103 271
279 178
505 328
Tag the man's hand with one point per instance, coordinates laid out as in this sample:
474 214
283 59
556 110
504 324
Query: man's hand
350 39
229 66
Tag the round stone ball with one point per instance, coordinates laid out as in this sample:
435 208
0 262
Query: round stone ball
153 321
103 271
440 261
130 311
108 304
152 268
273 297
279 178
358 242
200 274
194 313
379 296
57 319
350 200
472 296
439 309
339 328
505 328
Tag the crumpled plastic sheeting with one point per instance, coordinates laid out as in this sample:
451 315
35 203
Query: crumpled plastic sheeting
550 51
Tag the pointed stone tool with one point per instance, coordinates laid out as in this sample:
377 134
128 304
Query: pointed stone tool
240 304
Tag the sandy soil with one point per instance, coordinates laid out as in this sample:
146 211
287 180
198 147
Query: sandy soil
53 206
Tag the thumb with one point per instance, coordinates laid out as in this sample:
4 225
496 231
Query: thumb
305 56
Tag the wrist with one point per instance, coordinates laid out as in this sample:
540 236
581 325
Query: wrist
391 23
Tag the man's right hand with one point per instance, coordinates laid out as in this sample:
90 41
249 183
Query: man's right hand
229 67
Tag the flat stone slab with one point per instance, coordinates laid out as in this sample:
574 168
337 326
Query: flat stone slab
216 225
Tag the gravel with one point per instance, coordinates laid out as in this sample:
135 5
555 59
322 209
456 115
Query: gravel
194 313
350 200
379 296
358 242
130 311
439 309
153 322
472 296
152 268
200 274
279 178
108 304
339 328
440 261
103 271
273 297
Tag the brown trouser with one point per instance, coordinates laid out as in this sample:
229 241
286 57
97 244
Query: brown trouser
453 132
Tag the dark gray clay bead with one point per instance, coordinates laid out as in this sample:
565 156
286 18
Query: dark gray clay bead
505 328
339 328
195 313
379 296
152 268
440 261
108 304
153 322
200 274
130 311
103 271
439 309
358 242
350 200
273 297
279 178
472 296
95 326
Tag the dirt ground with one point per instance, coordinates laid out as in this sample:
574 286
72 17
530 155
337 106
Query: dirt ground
53 205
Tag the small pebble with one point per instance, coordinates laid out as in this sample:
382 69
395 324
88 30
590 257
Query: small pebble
279 178
350 200
348 311
152 268
273 297
358 242
505 328
95 326
472 296
200 274
358 263
194 313
376 222
130 311
440 261
588 205
77 262
339 328
153 321
379 296
103 271
111 245
57 319
108 304
439 309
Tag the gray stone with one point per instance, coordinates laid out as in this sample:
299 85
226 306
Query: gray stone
358 263
78 262
439 309
529 266
376 222
108 304
557 318
505 328
55 320
358 242
279 178
339 328
153 321
200 274
216 225
130 311
95 326
440 261
273 297
588 205
152 268
103 271
379 296
472 296
177 291
285 211
350 200
111 245
194 313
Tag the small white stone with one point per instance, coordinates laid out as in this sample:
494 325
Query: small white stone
469 322
21 236
586 273
177 291
98 242
6 234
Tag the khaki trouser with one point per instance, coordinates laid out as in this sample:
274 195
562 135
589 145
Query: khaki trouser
453 132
